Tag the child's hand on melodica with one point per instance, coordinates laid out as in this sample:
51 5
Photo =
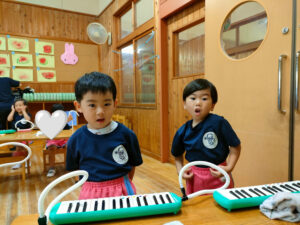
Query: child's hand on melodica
187 174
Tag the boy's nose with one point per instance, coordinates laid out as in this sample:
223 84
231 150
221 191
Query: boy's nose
99 110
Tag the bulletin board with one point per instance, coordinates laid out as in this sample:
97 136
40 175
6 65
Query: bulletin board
88 59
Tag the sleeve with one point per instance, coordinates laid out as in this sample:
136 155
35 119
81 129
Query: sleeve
14 83
178 145
135 157
229 134
72 159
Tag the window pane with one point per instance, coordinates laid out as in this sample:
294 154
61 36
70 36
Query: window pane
145 70
126 24
127 83
190 47
244 30
144 11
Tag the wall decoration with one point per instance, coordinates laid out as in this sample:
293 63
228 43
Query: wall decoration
23 74
4 60
46 76
18 44
45 61
4 72
69 56
22 60
2 43
44 47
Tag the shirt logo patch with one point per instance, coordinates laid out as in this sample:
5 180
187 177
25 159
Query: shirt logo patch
210 140
120 155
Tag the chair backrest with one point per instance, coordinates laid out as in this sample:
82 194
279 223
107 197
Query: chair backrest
74 116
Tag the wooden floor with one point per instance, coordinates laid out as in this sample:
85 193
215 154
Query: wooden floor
20 198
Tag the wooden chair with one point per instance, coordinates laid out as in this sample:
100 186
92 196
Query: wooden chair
6 157
46 153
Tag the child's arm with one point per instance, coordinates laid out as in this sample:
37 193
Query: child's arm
10 116
188 174
131 173
25 114
232 159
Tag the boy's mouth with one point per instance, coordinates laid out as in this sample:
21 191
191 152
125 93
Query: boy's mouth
197 110
100 120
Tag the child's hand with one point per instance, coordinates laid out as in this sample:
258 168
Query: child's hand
13 108
216 173
24 108
188 174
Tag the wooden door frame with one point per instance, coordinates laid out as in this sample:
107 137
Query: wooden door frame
166 9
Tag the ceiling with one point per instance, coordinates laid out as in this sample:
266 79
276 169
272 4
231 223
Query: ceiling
92 7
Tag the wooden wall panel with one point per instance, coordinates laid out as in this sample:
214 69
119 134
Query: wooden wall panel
34 21
145 122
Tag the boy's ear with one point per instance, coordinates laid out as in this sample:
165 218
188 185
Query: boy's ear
212 107
184 105
77 106
116 103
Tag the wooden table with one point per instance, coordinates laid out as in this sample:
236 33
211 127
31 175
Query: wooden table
31 136
200 210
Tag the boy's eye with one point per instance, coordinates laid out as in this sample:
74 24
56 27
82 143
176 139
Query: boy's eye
193 98
107 104
91 105
204 99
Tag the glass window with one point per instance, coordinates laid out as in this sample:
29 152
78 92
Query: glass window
190 51
244 30
126 23
127 75
144 11
145 70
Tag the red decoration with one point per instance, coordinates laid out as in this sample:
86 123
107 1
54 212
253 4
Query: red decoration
22 59
47 48
42 60
3 60
48 75
18 45
1 73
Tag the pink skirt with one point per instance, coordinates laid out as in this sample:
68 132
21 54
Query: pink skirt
60 143
203 180
112 188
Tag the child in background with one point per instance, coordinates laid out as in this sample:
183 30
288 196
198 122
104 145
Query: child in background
52 145
19 111
207 137
106 149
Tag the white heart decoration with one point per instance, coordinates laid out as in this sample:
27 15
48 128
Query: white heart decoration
51 125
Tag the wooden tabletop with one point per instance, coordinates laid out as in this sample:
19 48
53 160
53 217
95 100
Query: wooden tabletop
200 210
31 135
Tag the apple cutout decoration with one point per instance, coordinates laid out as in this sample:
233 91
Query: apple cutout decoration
2 60
22 60
47 48
48 75
18 45
43 60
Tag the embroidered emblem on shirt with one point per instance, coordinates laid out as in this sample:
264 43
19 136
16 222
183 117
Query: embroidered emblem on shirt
120 155
210 140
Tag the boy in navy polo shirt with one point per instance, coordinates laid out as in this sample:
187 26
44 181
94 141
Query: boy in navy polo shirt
106 149
207 137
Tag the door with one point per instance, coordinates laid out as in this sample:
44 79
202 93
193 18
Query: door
249 90
296 160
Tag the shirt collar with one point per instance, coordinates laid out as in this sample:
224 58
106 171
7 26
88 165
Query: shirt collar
106 130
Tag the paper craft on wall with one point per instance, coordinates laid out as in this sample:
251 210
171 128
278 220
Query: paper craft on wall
4 72
4 60
46 76
45 61
18 44
69 56
2 43
44 47
23 74
22 60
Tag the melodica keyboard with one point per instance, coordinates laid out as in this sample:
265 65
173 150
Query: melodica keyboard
235 198
70 212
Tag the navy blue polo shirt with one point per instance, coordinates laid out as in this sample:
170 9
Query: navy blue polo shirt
20 125
207 141
6 96
104 157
